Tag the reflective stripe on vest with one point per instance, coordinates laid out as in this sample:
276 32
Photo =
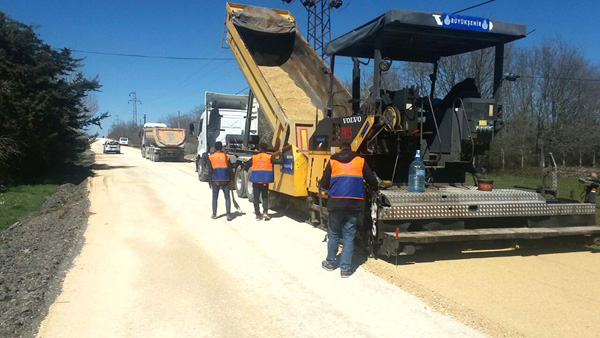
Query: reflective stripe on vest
262 169
347 179
218 161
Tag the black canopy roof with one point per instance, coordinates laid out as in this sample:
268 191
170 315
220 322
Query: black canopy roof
424 36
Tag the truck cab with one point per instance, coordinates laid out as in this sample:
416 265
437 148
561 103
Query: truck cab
224 120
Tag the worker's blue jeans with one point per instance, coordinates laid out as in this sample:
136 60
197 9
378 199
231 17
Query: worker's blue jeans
216 186
341 224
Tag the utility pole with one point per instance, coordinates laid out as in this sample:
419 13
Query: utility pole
178 118
144 118
319 23
135 100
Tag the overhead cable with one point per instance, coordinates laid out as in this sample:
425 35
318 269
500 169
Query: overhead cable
155 56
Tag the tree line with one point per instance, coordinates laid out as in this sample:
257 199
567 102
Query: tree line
45 104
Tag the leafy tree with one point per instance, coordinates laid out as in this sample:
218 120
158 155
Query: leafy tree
42 101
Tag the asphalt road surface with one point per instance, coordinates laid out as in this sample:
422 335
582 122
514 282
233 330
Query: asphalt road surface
155 264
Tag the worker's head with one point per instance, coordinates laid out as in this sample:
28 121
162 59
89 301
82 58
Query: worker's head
595 176
218 146
263 146
345 146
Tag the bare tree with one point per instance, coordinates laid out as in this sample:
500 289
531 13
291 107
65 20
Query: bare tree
9 148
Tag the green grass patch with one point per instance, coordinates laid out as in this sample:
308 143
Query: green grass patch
566 185
21 200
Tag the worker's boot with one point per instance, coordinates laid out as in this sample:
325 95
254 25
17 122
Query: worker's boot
229 217
266 216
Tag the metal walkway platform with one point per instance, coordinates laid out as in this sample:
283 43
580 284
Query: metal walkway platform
468 202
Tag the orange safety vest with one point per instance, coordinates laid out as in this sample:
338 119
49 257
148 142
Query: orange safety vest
262 169
218 161
347 179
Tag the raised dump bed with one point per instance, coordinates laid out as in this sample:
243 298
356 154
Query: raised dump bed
288 78
165 137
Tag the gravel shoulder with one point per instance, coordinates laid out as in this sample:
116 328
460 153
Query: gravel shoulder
34 256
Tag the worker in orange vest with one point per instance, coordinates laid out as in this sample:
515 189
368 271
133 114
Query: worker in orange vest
219 177
343 178
261 176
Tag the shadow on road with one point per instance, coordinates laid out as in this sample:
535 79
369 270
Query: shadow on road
107 167
446 252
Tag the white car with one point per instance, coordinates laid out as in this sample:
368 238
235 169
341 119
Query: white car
111 146
124 141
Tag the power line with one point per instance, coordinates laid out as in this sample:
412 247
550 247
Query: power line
155 56
474 6
242 90
186 82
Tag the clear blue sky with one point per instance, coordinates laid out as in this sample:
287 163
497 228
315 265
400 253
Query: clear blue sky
194 29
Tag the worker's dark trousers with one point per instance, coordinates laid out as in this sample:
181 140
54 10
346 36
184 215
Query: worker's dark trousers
216 186
261 189
341 224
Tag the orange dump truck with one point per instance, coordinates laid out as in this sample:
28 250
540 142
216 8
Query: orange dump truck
162 143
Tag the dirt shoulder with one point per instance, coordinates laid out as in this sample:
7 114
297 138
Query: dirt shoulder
34 255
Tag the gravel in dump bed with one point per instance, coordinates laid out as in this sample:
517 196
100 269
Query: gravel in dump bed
293 100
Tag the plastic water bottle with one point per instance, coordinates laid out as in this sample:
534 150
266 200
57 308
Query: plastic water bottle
416 175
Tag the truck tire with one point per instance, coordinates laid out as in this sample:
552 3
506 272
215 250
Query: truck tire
201 169
241 178
249 190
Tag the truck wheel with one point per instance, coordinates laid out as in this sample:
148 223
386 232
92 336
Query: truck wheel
202 174
249 190
241 178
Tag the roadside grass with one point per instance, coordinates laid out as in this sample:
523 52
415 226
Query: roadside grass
19 201
566 185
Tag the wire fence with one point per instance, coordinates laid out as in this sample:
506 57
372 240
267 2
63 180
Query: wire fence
567 183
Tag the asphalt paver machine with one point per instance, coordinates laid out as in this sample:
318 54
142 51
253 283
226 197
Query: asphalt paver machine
388 126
